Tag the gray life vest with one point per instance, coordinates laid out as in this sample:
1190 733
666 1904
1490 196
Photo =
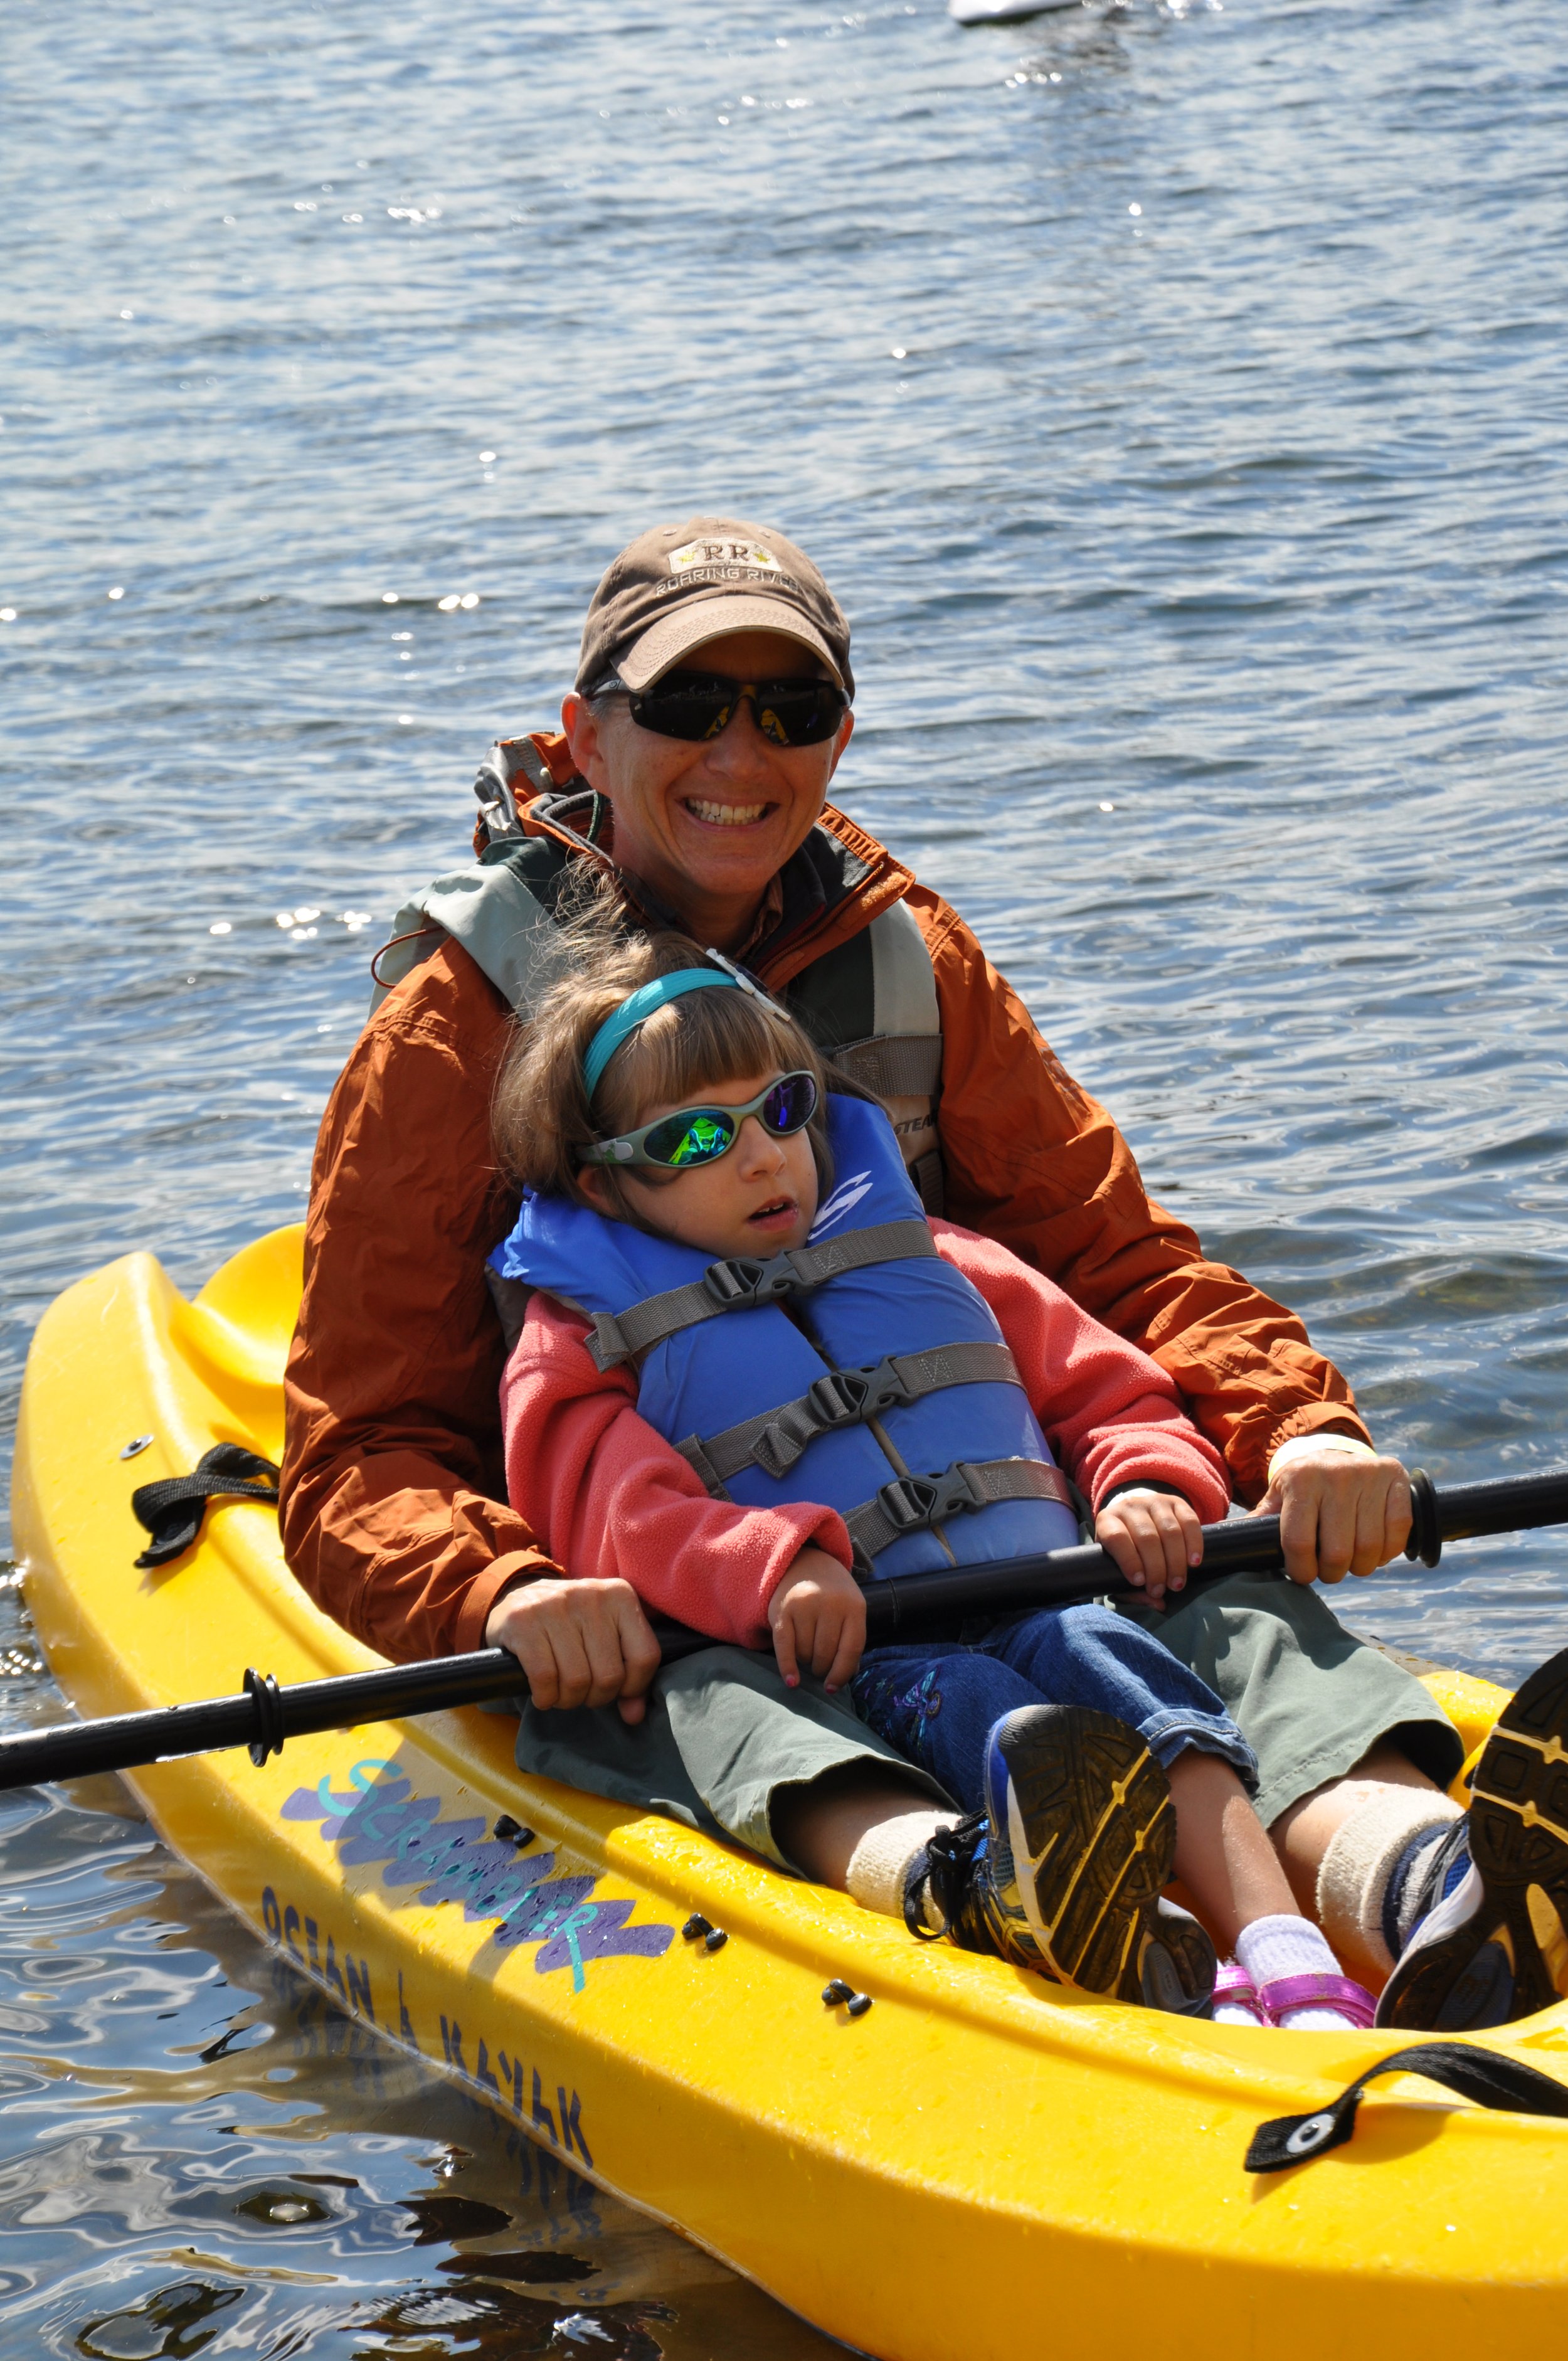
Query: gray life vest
870 1003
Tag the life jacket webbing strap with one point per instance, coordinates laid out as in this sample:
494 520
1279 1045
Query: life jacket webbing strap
774 1440
912 1503
894 1065
742 1282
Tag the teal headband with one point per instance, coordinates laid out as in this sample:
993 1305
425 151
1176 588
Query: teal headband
635 1011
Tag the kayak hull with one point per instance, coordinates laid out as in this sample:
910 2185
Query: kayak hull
979 2159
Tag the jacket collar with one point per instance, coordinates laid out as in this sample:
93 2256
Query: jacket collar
830 890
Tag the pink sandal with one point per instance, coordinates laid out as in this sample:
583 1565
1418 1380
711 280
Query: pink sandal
1286 1993
1234 1987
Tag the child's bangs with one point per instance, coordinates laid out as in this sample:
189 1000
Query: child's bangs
694 1043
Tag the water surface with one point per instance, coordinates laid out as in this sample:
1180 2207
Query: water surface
1174 396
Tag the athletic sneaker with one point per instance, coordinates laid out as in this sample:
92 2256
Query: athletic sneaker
1493 1947
1062 1871
960 1886
1432 1866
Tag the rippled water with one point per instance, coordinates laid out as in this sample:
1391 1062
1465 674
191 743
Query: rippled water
1175 398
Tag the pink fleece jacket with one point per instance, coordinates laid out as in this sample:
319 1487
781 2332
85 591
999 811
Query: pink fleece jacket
607 1494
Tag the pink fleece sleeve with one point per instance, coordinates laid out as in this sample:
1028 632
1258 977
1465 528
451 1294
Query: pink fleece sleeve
607 1494
1111 1415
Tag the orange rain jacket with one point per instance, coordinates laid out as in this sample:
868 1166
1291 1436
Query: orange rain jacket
394 1509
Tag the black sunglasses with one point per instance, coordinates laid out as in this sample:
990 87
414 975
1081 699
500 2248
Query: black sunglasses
698 705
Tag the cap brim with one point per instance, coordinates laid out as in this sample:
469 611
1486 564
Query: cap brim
694 624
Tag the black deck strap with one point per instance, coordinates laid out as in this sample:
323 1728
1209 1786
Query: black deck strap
912 1503
173 1508
1483 2075
776 1440
743 1282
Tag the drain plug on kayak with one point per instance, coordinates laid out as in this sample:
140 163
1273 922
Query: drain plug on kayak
839 1994
713 1938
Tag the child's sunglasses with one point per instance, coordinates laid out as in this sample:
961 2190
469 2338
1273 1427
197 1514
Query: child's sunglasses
702 1134
698 705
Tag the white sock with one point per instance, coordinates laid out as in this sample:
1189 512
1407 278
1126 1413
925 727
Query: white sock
1362 1855
1231 2012
880 1864
1271 1949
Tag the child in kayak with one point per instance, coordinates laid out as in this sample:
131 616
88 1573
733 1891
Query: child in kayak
745 1353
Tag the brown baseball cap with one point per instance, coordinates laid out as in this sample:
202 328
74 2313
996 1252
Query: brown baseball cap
681 585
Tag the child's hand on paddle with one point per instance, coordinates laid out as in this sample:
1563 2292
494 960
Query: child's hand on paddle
1153 1538
817 1617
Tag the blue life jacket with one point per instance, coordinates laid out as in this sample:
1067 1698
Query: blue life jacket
885 1392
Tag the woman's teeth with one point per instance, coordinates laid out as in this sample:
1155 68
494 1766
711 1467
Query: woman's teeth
724 815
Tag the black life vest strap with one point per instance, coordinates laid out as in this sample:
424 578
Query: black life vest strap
173 1508
742 1282
912 1503
1484 2076
774 1440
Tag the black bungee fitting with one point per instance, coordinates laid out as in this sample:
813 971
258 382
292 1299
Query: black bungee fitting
1425 1545
173 1508
266 1696
1505 2084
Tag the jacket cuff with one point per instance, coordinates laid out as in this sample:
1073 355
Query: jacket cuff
1318 1421
1142 1483
829 1533
1301 1446
501 1574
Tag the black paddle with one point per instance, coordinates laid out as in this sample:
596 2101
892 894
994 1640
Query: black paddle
263 1715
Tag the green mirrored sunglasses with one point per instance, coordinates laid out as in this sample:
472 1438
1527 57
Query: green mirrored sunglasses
702 1134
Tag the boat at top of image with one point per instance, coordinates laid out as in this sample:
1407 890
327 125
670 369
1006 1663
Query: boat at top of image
1005 12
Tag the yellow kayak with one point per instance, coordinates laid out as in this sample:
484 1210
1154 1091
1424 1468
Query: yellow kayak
976 2165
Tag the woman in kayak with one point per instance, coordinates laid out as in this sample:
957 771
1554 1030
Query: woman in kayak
744 1346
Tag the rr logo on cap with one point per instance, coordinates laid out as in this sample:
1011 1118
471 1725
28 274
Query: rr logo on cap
724 553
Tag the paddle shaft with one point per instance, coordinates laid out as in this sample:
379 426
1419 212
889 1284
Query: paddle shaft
263 1715
1244 1546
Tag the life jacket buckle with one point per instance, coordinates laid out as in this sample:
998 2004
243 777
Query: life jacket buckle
964 1489
838 1399
741 1280
910 1503
886 1385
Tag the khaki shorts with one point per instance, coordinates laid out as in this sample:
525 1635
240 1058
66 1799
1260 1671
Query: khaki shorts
721 1738
1307 1696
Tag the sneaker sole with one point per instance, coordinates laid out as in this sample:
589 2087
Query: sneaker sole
1093 1831
1510 1957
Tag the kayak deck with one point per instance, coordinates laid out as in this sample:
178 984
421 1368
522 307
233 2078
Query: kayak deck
917 2180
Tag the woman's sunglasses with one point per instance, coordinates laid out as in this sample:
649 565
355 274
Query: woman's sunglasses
702 1134
698 705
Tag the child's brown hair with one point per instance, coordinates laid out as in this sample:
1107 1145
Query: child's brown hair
543 1117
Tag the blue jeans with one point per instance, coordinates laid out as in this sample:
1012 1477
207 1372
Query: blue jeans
938 1703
